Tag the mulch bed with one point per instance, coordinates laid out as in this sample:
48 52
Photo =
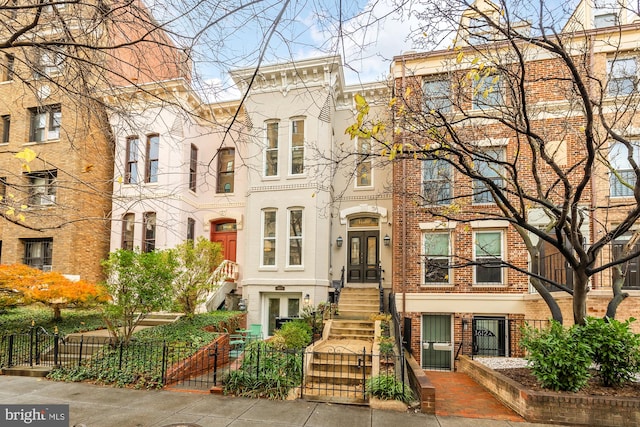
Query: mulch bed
593 387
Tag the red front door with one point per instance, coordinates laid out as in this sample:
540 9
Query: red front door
225 234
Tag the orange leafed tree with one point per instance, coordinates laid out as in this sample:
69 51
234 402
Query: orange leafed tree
51 288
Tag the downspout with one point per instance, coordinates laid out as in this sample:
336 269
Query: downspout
404 211
593 210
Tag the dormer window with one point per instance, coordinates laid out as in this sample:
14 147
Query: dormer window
605 19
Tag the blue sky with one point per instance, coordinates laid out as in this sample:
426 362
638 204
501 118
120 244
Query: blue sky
227 34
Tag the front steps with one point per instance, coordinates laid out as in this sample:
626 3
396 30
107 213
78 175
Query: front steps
358 303
342 363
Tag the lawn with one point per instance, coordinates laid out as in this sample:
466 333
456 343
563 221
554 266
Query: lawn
19 319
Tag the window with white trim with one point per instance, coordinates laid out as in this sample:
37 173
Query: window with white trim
191 229
437 177
149 232
294 236
128 229
131 164
436 92
268 237
364 170
297 147
226 159
152 158
271 150
44 123
623 76
487 165
488 256
437 253
622 179
193 168
42 187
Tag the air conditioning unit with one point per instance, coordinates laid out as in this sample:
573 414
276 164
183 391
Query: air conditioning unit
46 268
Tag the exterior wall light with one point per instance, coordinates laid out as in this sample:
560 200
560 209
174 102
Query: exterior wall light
339 241
387 240
306 299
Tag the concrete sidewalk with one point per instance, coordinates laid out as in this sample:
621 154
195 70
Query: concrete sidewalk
96 406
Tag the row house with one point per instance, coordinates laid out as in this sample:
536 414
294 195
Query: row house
274 180
452 241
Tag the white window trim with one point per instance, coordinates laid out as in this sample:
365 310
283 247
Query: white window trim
290 237
496 145
450 281
304 147
503 270
263 238
610 63
267 149
370 160
447 202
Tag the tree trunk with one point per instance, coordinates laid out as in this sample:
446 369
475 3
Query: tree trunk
554 308
57 312
618 295
580 291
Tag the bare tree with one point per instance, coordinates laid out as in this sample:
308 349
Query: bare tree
533 120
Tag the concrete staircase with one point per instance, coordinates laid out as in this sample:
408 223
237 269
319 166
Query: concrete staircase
342 361
358 303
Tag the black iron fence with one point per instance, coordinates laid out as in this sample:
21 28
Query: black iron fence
497 336
257 369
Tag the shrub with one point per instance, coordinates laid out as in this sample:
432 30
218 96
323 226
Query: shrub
386 346
293 335
387 387
614 348
560 359
265 372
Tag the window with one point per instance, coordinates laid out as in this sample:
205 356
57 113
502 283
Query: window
623 76
10 61
488 256
631 267
226 159
6 128
42 188
364 172
149 232
297 147
153 151
191 229
295 237
487 166
49 62
437 93
128 228
436 257
3 189
271 152
45 123
487 92
623 180
436 182
193 168
38 253
131 171
269 237
605 19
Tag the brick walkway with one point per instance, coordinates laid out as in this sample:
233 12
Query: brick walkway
458 395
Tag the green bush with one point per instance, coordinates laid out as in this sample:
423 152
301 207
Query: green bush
265 372
386 346
292 335
560 360
387 387
614 348
18 319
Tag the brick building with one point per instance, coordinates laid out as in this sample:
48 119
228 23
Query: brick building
514 138
57 208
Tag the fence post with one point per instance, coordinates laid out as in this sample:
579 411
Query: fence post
302 354
258 361
364 373
402 362
164 363
31 332
80 352
120 357
56 346
215 364
11 337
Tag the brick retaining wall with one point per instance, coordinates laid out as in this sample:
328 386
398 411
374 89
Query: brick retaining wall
552 407
200 362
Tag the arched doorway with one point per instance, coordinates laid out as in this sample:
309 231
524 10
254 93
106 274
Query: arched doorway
363 250
224 232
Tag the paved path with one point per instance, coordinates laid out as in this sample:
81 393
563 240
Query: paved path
95 406
458 395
